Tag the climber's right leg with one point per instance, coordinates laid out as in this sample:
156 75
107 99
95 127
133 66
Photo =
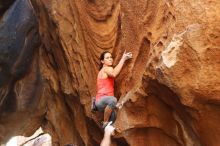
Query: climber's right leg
107 114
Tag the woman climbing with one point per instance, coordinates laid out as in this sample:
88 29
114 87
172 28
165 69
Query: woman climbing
105 100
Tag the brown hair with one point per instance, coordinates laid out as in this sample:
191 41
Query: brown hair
102 57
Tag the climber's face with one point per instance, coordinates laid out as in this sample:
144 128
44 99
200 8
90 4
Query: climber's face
108 60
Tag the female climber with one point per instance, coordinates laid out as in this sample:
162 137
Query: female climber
105 100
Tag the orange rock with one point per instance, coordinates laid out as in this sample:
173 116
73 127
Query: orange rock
171 87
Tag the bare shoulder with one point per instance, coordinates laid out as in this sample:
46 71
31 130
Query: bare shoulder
107 69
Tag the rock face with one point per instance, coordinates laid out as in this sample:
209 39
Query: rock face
20 79
171 87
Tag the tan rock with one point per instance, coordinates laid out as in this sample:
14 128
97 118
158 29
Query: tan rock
171 87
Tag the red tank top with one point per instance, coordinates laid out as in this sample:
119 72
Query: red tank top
105 87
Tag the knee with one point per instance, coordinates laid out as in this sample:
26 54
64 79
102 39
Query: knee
115 100
112 103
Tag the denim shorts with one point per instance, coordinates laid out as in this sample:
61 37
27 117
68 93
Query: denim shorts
110 101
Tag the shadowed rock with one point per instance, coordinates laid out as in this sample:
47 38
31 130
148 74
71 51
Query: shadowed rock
4 5
20 79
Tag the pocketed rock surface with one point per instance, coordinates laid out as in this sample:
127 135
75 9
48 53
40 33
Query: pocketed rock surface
171 86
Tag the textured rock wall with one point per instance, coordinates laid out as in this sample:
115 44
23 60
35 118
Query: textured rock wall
20 79
171 86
